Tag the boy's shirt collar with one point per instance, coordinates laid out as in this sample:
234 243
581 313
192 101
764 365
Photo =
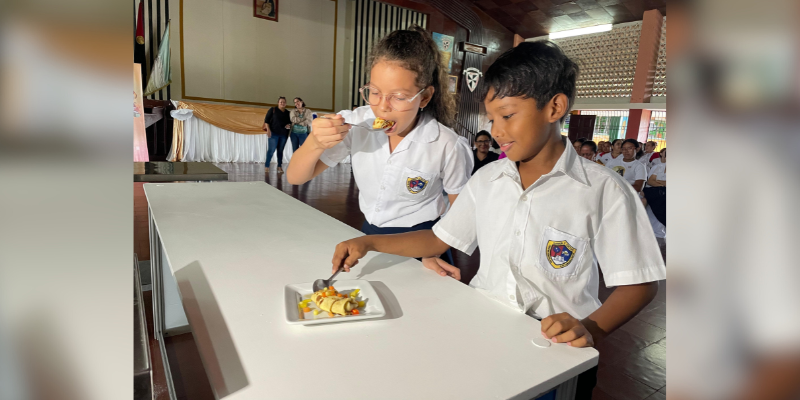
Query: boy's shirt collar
569 164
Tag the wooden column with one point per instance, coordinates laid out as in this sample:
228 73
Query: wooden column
649 41
638 125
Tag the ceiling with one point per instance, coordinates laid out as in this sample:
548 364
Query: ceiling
531 18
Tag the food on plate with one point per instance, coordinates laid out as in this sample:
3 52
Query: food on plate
381 123
331 302
334 302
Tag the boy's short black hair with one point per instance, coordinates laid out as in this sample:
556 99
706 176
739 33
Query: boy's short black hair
581 140
532 70
591 145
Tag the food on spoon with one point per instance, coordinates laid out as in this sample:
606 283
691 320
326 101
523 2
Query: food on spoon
381 123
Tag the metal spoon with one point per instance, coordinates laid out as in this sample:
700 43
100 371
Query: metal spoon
320 284
367 124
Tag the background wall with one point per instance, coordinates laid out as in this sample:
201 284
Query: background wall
229 56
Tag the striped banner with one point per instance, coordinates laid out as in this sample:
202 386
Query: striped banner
156 17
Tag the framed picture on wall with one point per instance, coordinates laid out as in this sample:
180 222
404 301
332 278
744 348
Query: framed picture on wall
266 9
452 83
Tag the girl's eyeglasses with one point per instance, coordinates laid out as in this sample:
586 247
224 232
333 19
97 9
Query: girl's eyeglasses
397 102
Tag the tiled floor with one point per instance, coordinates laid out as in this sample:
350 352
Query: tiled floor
632 360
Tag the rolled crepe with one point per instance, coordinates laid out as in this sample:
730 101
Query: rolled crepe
342 306
327 303
317 297
333 304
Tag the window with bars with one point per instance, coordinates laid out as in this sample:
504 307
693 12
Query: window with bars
657 131
565 127
609 124
373 21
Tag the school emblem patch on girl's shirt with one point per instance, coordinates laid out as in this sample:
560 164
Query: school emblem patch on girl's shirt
416 185
559 253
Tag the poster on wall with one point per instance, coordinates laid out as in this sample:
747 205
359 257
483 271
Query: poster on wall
266 9
139 136
445 44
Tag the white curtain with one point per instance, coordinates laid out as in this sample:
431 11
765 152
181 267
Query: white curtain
205 142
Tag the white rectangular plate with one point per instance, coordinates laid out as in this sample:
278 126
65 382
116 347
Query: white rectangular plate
296 292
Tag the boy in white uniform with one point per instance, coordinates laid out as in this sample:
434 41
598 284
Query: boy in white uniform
544 217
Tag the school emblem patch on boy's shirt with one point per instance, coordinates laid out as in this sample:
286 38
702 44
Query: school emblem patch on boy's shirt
559 253
416 185
619 169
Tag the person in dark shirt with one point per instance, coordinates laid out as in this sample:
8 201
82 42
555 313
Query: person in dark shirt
481 154
277 124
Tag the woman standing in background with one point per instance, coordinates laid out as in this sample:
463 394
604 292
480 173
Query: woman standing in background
277 125
301 123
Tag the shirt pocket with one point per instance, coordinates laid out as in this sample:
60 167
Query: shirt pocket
415 185
561 254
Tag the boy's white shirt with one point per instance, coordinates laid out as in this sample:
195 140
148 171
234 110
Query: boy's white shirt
630 171
587 206
430 153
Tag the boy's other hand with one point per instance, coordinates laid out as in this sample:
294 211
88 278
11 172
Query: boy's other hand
564 328
349 252
442 268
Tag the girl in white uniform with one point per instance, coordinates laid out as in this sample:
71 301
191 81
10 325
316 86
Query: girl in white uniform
403 171
628 166
614 153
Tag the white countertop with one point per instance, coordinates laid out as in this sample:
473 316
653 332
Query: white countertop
234 246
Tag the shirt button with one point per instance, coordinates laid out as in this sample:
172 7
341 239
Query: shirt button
524 198
517 233
383 187
512 297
